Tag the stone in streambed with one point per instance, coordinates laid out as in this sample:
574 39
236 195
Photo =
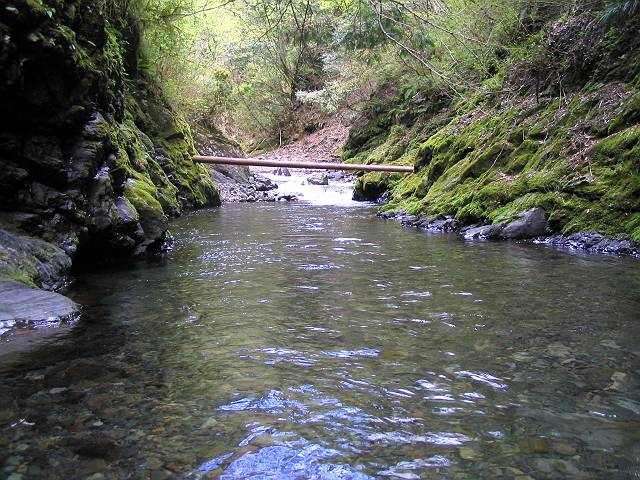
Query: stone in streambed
263 184
95 445
282 171
467 453
160 475
318 179
563 448
534 445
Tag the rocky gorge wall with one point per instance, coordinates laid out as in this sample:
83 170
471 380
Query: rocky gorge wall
555 131
93 162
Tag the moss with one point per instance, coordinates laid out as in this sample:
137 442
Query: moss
142 194
627 115
21 276
370 186
490 165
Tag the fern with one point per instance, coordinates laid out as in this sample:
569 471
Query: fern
619 11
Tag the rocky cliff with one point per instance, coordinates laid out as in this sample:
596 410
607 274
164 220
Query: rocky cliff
93 161
555 130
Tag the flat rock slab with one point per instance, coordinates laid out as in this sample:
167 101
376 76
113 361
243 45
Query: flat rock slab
22 306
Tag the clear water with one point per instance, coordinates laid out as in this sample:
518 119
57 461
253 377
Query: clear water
304 341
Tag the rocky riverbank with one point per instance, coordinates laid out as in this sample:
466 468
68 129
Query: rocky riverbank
94 162
531 225
252 188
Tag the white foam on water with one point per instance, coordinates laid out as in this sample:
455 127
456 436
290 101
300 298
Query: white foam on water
337 193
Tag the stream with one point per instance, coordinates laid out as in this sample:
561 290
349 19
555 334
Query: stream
313 340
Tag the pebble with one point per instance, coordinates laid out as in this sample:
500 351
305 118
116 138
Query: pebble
55 391
96 476
563 448
34 471
522 356
467 453
534 445
14 460
91 466
619 382
210 423
154 463
160 475
558 350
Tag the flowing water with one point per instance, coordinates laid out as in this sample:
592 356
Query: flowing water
311 341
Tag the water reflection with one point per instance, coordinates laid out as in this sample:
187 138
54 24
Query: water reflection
290 341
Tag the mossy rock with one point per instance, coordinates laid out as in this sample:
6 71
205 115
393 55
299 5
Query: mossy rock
490 163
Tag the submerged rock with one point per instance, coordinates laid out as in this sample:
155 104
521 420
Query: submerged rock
94 445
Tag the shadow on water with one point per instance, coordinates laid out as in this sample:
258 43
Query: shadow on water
302 341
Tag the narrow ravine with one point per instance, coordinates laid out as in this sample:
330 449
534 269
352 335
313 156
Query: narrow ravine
305 340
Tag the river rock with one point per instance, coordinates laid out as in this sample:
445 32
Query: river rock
529 224
24 306
32 260
286 198
233 173
441 224
318 179
384 198
594 242
94 445
282 171
263 184
482 232
386 215
619 382
534 445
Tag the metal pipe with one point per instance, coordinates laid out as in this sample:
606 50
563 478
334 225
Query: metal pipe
312 165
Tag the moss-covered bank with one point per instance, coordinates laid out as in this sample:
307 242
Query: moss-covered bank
92 159
573 149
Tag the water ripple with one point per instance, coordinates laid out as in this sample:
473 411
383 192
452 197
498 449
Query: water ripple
484 378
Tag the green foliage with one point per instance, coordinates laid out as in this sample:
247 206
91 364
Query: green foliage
619 11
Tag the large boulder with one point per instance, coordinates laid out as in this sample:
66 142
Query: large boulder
27 307
529 224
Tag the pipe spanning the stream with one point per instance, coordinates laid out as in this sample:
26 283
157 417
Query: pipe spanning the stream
251 162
